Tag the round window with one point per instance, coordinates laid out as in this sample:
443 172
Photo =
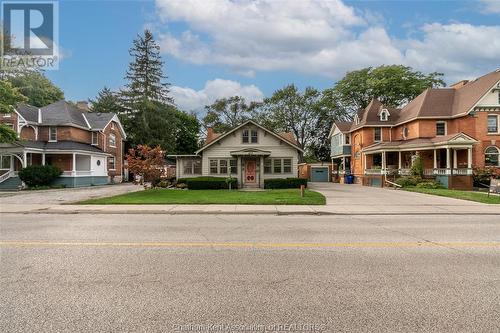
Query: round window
98 162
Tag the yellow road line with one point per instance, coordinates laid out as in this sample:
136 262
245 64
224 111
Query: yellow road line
247 244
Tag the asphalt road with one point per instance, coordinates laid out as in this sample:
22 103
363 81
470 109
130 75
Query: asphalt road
155 273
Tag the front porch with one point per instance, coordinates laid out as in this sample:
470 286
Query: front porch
78 168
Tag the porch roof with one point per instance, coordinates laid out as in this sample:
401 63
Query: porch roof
43 146
460 139
250 152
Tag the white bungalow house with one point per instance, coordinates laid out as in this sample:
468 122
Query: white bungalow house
248 152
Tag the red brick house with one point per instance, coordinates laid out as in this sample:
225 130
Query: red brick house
453 129
87 146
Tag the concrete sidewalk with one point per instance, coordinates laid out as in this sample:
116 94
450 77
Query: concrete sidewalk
461 208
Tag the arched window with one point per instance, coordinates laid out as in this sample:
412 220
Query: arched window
384 115
491 155
356 119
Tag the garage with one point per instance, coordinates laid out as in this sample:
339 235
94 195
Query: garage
319 174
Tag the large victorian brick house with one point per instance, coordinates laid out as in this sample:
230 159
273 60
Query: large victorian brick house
453 129
87 146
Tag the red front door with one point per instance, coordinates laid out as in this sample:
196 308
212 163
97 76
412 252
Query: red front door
250 174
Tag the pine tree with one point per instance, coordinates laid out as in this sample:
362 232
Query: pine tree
145 74
107 101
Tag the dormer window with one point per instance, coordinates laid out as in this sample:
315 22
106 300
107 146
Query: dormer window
384 115
53 134
356 119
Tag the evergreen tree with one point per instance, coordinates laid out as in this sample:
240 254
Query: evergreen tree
107 101
145 74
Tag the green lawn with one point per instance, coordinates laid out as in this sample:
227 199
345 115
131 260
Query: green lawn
465 195
163 196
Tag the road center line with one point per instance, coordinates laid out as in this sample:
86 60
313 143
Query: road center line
245 244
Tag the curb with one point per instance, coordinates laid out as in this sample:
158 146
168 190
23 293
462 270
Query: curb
276 213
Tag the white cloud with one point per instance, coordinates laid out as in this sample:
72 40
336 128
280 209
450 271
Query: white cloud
490 6
192 100
324 37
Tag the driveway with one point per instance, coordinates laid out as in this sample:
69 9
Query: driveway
66 195
359 199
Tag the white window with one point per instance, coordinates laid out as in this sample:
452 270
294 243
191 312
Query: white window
491 156
384 115
214 166
192 167
95 138
244 136
287 165
267 165
222 166
377 134
7 115
405 132
111 163
277 165
112 140
441 128
254 137
493 123
356 119
52 133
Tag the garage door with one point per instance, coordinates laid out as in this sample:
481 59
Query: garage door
319 174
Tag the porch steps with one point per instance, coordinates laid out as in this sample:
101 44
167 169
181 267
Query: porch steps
10 184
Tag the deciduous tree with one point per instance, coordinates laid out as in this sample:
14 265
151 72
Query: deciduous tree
226 113
9 98
147 162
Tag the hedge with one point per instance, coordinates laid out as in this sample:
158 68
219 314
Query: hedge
279 183
39 175
209 183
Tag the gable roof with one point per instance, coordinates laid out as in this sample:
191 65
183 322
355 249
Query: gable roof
221 136
65 113
370 116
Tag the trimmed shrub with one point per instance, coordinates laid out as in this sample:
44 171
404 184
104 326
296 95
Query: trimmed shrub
39 175
209 183
408 181
430 185
280 183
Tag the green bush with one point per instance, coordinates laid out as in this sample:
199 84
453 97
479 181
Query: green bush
482 177
417 168
209 183
430 185
39 175
408 181
280 183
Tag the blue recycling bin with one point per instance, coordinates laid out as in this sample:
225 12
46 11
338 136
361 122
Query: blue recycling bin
349 179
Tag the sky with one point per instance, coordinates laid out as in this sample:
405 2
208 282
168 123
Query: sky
221 48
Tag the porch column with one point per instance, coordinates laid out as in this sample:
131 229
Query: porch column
25 159
73 172
43 158
400 162
364 163
343 164
261 171
469 158
435 159
383 162
448 158
455 162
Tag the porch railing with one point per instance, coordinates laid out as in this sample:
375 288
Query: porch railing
373 172
83 172
462 172
6 176
404 172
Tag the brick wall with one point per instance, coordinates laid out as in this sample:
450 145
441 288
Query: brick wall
115 151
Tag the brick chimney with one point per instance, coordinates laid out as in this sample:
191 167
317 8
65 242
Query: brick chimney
210 134
84 105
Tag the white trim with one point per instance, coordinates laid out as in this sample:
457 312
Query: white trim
244 124
109 137
498 124
50 136
482 97
445 127
86 121
116 120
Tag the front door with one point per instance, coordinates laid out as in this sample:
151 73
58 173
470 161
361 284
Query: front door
250 172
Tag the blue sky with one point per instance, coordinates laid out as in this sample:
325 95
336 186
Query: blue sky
219 48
